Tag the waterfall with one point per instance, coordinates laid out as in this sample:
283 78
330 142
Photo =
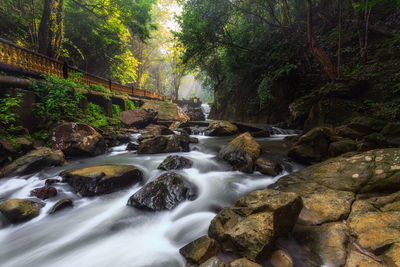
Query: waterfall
206 110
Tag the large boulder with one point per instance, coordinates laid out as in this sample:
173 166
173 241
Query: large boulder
366 125
33 161
327 243
165 193
104 179
313 146
241 153
166 111
342 146
351 210
268 167
194 113
243 262
175 163
221 128
138 118
20 210
251 227
77 139
200 250
213 262
164 144
155 130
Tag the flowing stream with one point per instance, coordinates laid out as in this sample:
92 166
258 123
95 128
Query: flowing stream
103 231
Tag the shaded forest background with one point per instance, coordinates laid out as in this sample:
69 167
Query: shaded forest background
296 60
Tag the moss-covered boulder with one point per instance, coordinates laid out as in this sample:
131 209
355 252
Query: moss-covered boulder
166 111
342 146
213 262
104 179
221 128
366 125
165 193
361 189
20 210
242 153
313 146
33 161
326 243
200 250
251 226
243 262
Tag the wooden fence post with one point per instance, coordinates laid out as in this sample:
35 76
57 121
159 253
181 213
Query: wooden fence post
110 85
65 70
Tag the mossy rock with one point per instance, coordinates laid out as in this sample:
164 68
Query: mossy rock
104 179
391 130
20 210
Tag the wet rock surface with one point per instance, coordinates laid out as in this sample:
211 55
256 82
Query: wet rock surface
20 210
200 250
77 139
102 179
313 146
175 163
194 113
61 205
132 146
268 167
44 192
33 161
165 193
251 226
241 153
164 144
243 262
351 208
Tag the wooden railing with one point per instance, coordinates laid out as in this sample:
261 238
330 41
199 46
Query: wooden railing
14 55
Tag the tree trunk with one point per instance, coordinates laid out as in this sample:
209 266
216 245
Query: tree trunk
59 35
50 28
316 50
44 26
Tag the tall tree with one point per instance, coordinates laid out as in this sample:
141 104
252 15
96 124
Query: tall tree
51 28
317 50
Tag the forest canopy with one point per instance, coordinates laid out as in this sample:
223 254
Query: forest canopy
124 40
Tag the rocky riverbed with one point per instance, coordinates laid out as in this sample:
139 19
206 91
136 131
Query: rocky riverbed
168 198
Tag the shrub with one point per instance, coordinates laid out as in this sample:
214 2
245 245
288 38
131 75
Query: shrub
58 99
96 116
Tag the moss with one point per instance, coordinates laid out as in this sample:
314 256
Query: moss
18 210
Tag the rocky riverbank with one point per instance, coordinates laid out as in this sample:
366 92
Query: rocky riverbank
342 211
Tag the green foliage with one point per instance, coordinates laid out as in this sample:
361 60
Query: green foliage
7 109
264 91
129 104
96 116
116 110
42 135
58 99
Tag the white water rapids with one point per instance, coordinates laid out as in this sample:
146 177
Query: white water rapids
103 231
